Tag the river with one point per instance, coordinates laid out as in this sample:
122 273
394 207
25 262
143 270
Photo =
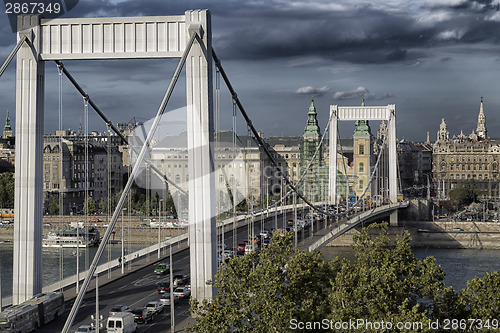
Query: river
54 258
460 265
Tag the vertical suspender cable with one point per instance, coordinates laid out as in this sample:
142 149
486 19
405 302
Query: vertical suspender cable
61 252
233 180
108 193
86 180
217 162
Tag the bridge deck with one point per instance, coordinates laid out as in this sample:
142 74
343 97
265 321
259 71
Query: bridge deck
326 235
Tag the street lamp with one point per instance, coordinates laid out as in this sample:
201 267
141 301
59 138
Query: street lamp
159 226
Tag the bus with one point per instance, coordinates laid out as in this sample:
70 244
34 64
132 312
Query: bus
32 314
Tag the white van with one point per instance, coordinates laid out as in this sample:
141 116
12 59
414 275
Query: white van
122 322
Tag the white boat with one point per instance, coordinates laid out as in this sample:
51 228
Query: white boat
55 240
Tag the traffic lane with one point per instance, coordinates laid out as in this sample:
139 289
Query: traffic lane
139 287
134 290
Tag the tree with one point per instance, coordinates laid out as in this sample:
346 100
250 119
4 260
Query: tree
54 207
386 281
263 292
90 206
481 298
465 192
7 190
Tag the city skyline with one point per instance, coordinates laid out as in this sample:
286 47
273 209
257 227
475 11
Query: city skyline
433 59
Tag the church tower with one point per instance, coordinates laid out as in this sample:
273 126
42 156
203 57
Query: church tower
314 180
7 130
443 134
362 146
481 131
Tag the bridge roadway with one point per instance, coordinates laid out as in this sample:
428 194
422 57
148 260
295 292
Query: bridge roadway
138 285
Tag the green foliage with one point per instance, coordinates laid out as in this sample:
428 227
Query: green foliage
90 206
481 298
7 190
54 207
262 292
465 192
386 282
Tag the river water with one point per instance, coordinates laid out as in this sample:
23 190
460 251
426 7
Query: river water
55 258
460 265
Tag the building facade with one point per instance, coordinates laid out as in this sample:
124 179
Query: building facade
463 157
69 177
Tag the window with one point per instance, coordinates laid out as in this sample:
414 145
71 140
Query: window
361 149
361 183
361 167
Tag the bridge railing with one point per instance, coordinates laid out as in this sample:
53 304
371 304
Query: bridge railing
353 222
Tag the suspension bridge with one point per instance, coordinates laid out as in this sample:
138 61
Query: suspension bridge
189 38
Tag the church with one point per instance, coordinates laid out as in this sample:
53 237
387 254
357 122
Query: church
466 157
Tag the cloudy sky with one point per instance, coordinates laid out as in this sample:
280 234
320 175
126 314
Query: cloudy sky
433 59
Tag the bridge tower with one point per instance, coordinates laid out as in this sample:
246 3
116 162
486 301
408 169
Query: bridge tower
112 38
357 113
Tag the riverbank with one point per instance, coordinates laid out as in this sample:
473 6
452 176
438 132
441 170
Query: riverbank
440 235
132 232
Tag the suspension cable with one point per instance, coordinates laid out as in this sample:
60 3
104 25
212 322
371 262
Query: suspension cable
121 202
12 54
261 142
110 124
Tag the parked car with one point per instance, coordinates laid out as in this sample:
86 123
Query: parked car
142 315
162 268
265 233
250 248
182 292
163 287
241 247
118 308
85 329
165 299
94 220
154 307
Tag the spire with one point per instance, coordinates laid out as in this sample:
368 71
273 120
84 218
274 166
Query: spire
443 134
312 127
362 127
481 131
7 130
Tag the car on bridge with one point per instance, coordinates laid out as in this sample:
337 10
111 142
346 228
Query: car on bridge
163 287
165 299
85 329
162 269
142 315
118 308
182 292
180 280
154 307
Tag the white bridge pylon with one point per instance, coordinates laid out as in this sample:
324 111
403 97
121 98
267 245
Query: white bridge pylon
113 38
352 113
